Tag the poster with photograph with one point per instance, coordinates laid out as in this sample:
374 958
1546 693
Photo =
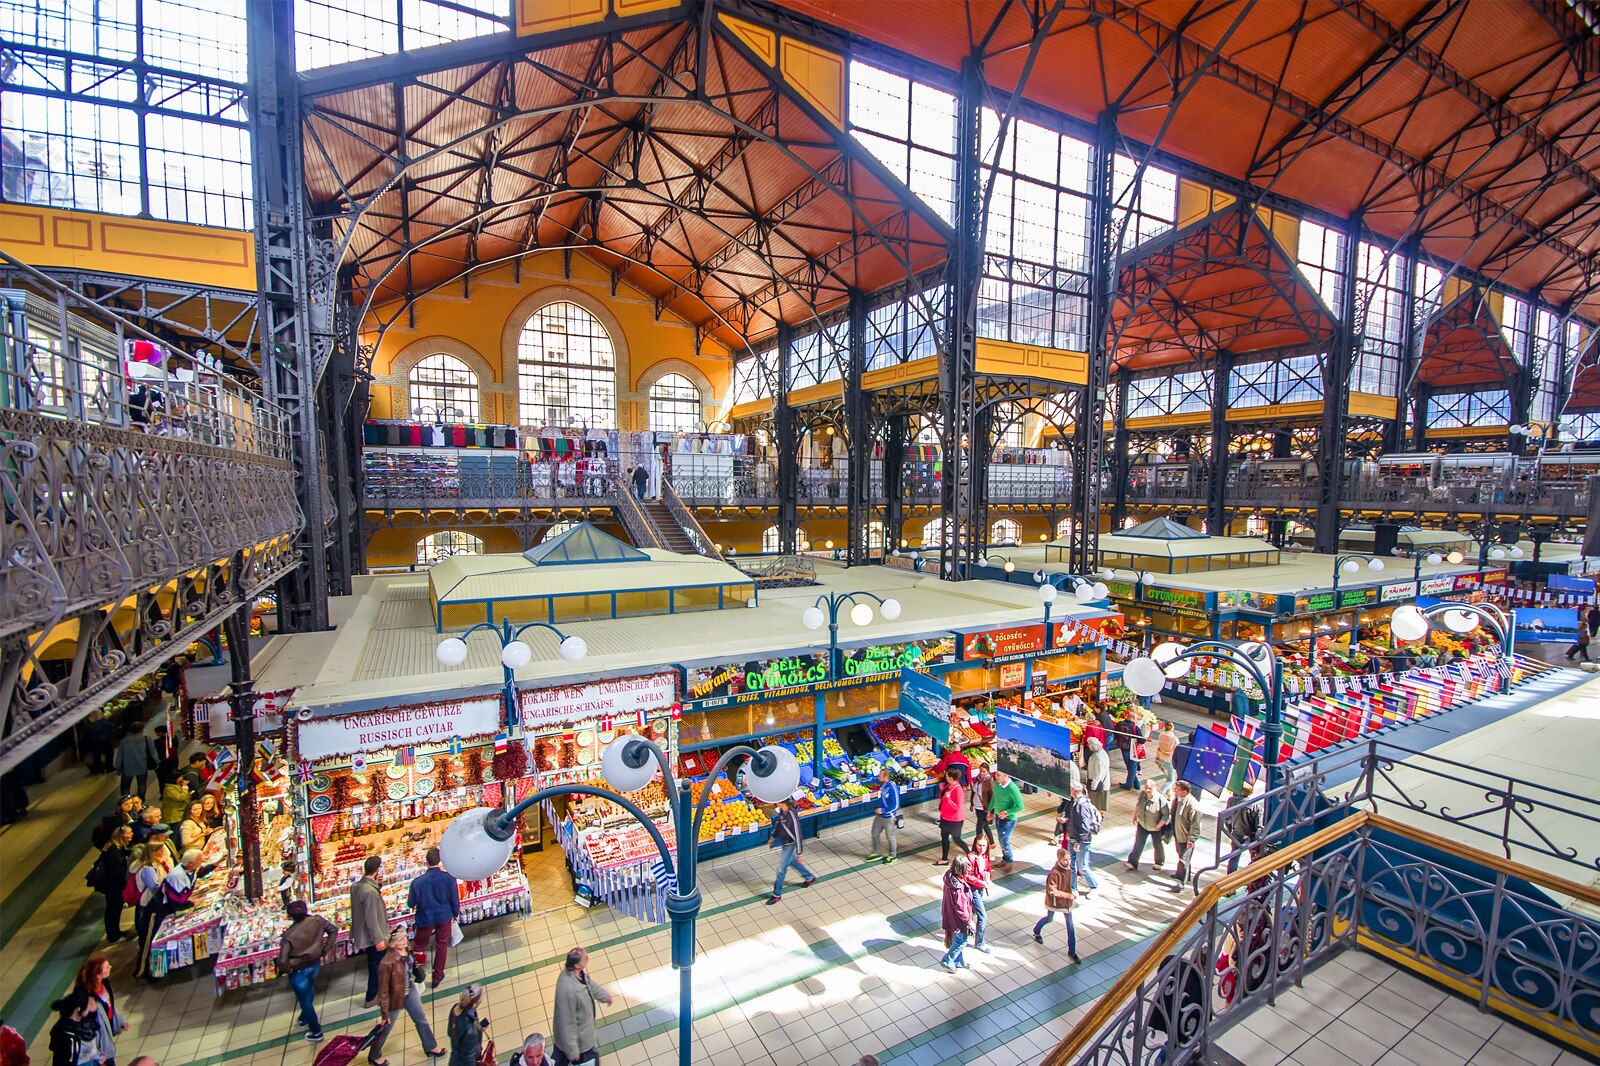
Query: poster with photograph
1033 750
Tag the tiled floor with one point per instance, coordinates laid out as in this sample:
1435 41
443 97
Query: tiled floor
842 968
1360 1010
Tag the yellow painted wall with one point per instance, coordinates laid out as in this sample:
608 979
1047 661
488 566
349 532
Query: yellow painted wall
134 247
475 329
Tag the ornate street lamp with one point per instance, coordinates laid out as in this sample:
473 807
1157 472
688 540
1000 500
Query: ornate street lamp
514 654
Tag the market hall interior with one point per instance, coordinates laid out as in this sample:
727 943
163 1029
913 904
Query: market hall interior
666 477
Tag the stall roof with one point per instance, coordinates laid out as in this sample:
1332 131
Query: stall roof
1185 548
476 578
384 653
1415 538
583 543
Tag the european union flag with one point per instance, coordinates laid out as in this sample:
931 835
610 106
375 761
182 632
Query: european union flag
1206 761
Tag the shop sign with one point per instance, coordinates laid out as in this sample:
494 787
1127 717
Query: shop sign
1189 599
1436 586
1016 640
925 703
1247 601
402 727
622 698
1041 678
217 714
1494 577
891 658
1357 597
1402 590
755 675
1316 601
1013 674
1119 590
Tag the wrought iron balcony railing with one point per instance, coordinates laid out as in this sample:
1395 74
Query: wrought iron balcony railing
135 518
449 479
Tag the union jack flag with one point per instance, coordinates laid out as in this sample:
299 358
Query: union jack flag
302 772
1243 726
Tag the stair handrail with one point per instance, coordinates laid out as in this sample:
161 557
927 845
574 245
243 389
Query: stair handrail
691 528
634 520
1355 828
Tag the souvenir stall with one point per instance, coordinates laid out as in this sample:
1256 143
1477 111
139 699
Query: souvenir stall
222 923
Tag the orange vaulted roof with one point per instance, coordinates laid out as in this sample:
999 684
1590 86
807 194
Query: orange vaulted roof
1224 283
1472 125
1464 346
722 196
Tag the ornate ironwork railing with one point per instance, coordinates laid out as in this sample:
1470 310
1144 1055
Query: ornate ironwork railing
640 529
703 544
134 520
1348 856
778 571
427 479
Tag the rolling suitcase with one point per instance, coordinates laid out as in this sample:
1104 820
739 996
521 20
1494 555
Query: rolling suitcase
341 1050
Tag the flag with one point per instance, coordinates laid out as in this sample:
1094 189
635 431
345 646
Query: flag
358 763
501 742
223 762
1206 761
302 772
455 745
1244 727
406 757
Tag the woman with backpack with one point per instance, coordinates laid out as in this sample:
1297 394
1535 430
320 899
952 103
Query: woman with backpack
73 1036
109 876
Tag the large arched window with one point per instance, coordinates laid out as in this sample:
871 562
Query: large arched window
933 533
443 388
1005 531
674 405
566 369
769 539
445 543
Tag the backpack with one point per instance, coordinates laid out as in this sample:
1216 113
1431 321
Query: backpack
131 892
1090 815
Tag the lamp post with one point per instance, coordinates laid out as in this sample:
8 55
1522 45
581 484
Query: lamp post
860 613
479 842
1148 675
1141 577
998 560
514 654
1410 622
1497 550
1047 596
1434 559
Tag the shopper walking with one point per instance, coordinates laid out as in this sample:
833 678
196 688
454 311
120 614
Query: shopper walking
955 914
1097 776
1185 830
135 757
953 758
1166 748
1059 898
787 838
397 990
1152 814
1006 806
434 899
1083 822
73 1036
980 881
301 949
884 819
952 813
1241 820
1580 647
1130 738
466 1028
109 876
94 981
572 1027
369 922
982 798
641 481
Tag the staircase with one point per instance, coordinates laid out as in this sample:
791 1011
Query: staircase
668 534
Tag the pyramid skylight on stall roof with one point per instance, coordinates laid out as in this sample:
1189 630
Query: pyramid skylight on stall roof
583 543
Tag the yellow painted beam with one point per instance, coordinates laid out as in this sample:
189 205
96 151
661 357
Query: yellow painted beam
1371 405
1008 359
818 75
901 373
135 247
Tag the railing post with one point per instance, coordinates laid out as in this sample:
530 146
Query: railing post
1491 941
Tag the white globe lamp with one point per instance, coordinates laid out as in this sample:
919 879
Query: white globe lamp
1084 593
1455 558
1143 676
574 648
1434 558
1375 564
772 774
452 651
627 764
890 610
516 655
1350 566
1165 655
467 850
812 617
1047 594
1460 621
1100 590
860 614
1497 553
1408 623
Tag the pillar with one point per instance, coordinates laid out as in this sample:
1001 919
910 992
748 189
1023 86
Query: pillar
1217 482
242 701
1335 398
788 447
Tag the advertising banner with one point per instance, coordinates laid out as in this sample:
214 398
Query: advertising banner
1436 586
1564 583
216 714
925 703
891 658
1033 750
1403 590
625 697
1187 599
1013 674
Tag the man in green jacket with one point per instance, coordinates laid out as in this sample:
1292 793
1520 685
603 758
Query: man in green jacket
1006 807
1185 830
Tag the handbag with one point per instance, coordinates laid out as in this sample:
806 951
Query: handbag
455 932
487 1058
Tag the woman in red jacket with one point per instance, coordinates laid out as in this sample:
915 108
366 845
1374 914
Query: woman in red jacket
979 872
952 813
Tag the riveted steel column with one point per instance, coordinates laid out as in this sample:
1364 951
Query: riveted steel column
958 357
1216 485
1335 396
1089 439
858 474
788 447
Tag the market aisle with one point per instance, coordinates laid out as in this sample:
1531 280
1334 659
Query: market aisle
846 966
49 920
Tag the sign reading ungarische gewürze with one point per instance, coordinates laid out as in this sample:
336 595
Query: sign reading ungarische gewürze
398 727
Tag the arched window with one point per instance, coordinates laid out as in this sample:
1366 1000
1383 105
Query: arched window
874 536
557 529
445 543
934 532
1005 531
443 388
769 539
1064 529
674 405
566 369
